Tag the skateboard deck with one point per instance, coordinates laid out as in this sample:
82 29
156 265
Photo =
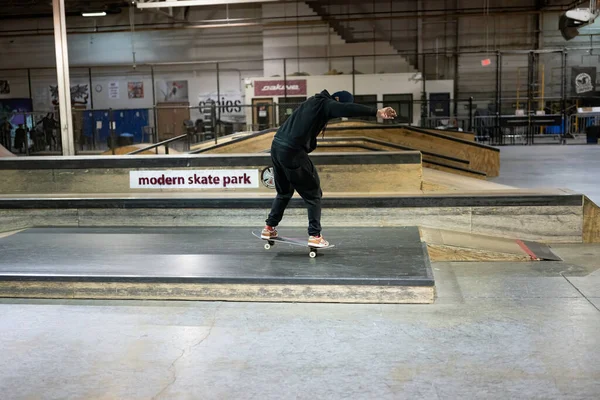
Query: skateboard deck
294 242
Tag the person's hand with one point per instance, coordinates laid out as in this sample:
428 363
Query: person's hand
386 113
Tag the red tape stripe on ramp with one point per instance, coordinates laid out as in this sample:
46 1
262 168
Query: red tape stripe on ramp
527 250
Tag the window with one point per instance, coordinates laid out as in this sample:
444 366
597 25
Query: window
403 104
287 106
367 100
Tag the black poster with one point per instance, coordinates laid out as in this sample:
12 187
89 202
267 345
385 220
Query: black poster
4 87
583 81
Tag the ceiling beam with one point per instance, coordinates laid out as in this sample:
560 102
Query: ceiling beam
192 3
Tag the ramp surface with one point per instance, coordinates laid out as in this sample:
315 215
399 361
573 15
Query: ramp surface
367 265
5 153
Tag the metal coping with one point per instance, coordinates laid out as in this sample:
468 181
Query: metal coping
265 203
212 160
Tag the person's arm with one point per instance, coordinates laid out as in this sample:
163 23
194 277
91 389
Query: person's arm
335 109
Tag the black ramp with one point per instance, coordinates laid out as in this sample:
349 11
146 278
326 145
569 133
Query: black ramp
362 256
541 251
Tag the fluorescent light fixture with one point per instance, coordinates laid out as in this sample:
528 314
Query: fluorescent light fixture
192 3
93 14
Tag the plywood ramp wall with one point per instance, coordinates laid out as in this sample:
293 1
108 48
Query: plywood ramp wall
250 144
591 221
481 158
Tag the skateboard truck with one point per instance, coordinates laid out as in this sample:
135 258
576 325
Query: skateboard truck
312 253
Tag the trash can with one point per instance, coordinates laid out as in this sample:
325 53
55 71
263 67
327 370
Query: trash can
592 133
125 139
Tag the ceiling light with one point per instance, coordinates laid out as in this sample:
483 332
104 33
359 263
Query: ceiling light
93 14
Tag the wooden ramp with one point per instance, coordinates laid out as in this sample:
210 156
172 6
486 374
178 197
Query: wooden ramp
445 182
5 153
591 221
482 158
445 245
431 159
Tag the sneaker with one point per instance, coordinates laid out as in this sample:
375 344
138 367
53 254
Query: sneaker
268 232
317 241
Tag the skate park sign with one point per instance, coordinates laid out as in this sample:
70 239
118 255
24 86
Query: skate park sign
194 179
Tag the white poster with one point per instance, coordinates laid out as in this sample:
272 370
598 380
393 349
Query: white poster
113 90
190 179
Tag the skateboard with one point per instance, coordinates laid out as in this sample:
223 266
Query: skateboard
294 242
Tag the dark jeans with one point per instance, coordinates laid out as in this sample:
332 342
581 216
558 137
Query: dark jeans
293 170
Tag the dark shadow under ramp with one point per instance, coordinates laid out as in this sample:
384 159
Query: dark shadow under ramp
368 265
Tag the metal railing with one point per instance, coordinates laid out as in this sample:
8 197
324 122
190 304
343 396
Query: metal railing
579 123
98 131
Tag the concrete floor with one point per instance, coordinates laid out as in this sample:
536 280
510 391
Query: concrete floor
575 167
497 331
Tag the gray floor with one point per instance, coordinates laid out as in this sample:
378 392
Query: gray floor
497 331
575 167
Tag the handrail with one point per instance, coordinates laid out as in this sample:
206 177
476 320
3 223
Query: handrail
156 145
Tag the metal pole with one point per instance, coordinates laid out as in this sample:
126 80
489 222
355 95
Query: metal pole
456 61
353 77
498 130
62 72
218 122
91 91
424 105
563 94
113 142
284 92
471 114
155 133
29 82
530 84
284 79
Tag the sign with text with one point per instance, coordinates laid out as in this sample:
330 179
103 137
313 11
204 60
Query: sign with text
230 104
295 87
198 179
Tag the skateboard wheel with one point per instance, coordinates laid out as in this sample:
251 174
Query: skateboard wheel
267 246
312 254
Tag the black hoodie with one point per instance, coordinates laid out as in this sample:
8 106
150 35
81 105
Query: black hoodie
301 129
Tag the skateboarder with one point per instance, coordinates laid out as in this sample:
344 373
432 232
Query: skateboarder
292 167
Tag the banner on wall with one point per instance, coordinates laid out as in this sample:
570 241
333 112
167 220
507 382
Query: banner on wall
79 95
135 90
230 104
194 179
4 87
173 91
296 87
583 80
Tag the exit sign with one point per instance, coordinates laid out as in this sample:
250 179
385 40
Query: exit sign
486 62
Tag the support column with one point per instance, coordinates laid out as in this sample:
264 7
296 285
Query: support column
420 56
62 72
